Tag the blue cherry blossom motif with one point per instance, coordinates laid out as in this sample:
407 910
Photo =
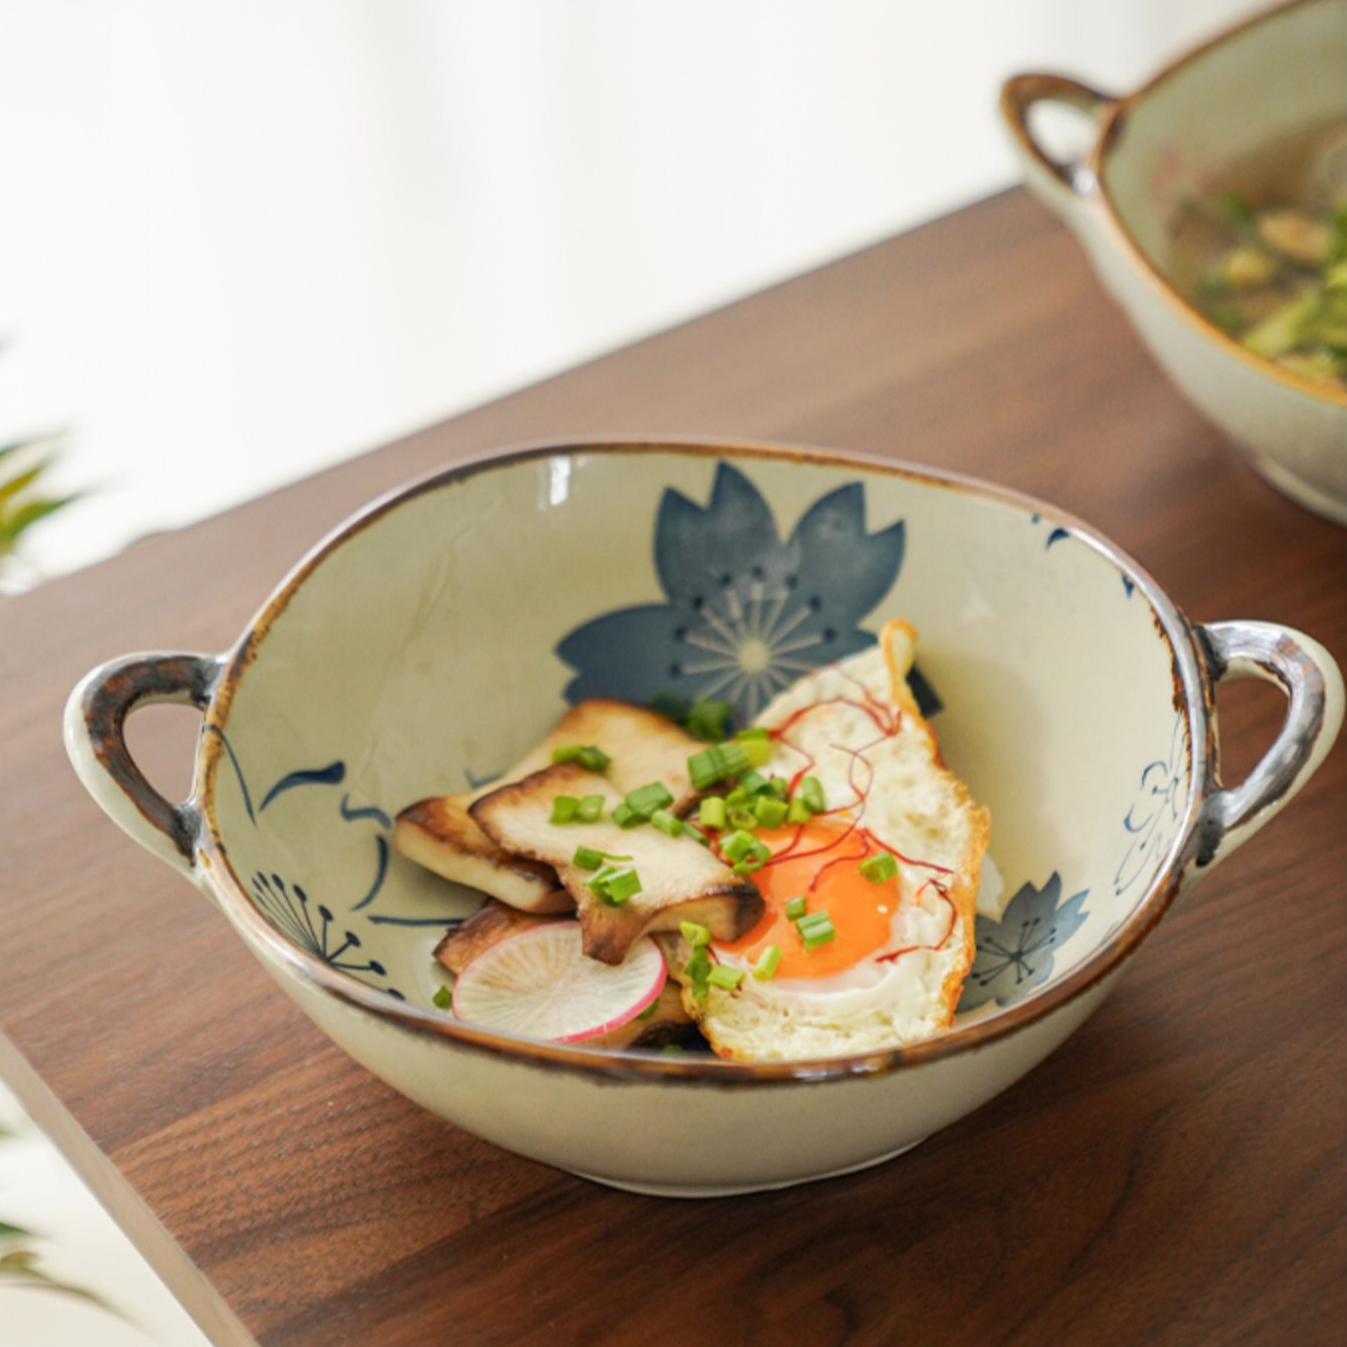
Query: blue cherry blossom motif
1153 819
746 614
313 927
1015 954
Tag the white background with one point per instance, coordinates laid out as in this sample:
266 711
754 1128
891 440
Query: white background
242 241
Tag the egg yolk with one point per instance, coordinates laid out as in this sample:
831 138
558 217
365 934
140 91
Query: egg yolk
821 861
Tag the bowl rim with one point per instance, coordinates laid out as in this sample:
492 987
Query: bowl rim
1113 122
1192 696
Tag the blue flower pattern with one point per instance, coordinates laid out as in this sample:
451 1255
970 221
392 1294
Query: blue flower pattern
1015 954
745 613
281 901
312 927
1153 819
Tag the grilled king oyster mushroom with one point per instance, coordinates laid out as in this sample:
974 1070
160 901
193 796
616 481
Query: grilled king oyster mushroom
441 834
679 879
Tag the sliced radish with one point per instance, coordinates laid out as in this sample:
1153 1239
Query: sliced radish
540 984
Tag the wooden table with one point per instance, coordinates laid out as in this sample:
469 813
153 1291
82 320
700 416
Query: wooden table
1175 1174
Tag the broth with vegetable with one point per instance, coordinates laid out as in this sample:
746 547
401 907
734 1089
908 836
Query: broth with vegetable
1263 254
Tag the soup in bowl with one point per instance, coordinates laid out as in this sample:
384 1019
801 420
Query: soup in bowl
1210 202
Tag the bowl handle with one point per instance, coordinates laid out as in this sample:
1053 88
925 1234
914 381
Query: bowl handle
1061 184
1312 682
95 718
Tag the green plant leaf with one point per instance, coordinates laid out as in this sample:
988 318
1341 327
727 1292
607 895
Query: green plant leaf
26 515
11 488
51 438
18 1276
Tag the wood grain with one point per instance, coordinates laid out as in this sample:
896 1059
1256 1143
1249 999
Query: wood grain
1174 1175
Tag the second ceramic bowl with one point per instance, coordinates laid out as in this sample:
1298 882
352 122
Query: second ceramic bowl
1159 147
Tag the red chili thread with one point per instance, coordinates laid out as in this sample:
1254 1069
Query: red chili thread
888 721
944 939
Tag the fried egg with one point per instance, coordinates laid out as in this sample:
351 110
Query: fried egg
903 944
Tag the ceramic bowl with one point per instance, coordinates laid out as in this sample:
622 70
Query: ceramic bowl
1161 146
430 640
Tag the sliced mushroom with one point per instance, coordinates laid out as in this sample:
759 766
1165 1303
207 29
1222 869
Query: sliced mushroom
492 922
440 833
680 880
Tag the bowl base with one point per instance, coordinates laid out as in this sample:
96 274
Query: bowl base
1306 494
693 1190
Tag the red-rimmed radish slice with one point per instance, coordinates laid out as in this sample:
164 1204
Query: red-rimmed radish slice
540 984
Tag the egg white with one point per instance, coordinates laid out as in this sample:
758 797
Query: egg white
912 805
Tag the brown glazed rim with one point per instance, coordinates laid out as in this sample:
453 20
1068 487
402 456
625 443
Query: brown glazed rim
1192 694
1113 120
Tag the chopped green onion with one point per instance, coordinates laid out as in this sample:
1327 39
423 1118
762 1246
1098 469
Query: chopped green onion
646 799
709 720
798 812
759 751
814 919
701 838
795 907
673 1050
591 809
738 797
694 933
818 935
717 763
443 998
778 786
564 809
697 971
738 845
670 706
596 881
711 813
704 769
665 822
615 886
743 817
626 817
728 979
749 856
879 868
587 755
754 782
770 811
1235 209
767 963
649 1010
586 858
811 792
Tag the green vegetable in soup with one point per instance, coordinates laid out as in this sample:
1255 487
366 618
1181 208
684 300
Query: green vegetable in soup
1235 209
1264 254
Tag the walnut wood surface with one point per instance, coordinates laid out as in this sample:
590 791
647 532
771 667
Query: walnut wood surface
1173 1175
